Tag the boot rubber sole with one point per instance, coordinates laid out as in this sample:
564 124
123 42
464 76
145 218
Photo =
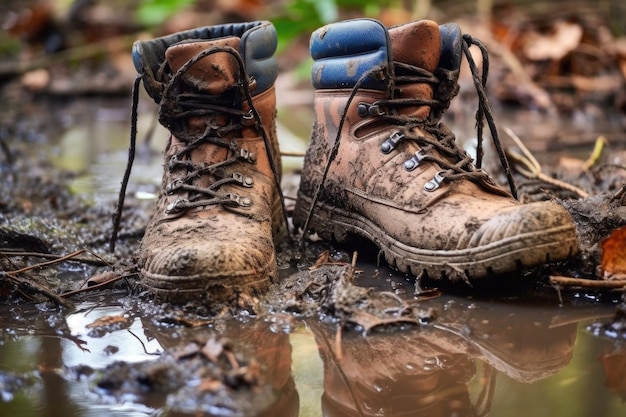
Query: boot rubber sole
211 286
506 255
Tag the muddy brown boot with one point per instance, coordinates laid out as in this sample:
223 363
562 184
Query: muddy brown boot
212 232
381 166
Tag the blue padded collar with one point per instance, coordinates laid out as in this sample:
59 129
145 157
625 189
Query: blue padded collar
343 52
257 48
451 46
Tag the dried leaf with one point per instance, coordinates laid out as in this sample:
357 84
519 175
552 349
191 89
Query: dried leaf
212 349
186 351
614 255
102 278
323 259
183 321
564 38
210 385
251 373
107 321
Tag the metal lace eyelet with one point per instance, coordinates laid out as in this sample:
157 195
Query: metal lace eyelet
243 180
173 186
252 84
367 109
391 142
175 206
234 199
248 119
246 155
415 161
435 182
173 161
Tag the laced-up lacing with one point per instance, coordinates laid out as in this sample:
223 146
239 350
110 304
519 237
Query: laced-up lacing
442 148
175 109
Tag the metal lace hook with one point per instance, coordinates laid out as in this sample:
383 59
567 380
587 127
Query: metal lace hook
335 148
266 141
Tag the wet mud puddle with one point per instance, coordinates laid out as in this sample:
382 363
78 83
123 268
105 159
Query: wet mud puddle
305 354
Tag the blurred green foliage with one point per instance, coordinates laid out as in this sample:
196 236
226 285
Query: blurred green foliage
303 16
292 18
154 12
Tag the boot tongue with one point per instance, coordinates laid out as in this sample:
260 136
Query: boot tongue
418 44
213 74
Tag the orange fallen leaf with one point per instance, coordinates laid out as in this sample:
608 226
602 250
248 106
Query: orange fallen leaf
614 255
107 321
210 385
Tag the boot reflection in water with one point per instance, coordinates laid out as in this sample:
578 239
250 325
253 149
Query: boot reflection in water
220 206
382 166
426 372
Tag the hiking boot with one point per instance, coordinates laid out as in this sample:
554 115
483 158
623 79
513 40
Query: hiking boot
381 166
219 206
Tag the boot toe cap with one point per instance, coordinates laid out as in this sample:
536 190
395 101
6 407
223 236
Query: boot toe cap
215 270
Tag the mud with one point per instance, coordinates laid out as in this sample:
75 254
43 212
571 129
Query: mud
202 376
329 292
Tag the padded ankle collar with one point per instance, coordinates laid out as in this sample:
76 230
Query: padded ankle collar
257 48
343 52
451 46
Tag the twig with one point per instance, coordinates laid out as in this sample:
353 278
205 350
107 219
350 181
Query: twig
42 264
533 168
95 262
13 275
596 154
95 286
157 353
588 283
38 288
619 194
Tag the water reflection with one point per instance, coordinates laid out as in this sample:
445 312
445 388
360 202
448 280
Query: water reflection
475 359
428 371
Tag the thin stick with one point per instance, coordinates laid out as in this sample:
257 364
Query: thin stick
95 286
534 168
42 264
58 258
587 283
40 289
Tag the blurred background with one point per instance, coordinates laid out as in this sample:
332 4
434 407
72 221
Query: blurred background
546 49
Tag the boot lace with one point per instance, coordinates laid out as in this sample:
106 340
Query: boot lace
175 109
440 144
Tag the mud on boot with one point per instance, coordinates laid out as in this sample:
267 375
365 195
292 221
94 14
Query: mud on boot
381 166
220 205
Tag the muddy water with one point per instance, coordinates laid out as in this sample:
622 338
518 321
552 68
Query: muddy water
513 352
506 357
